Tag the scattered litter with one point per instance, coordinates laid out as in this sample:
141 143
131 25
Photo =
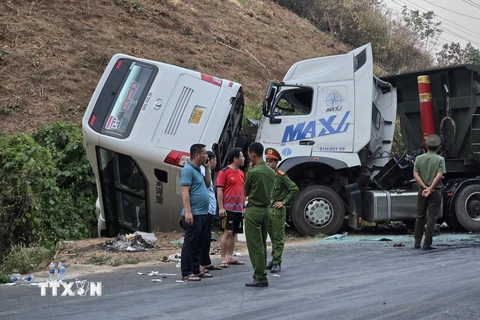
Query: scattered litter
237 254
180 281
376 239
175 257
276 275
156 280
148 237
156 273
178 265
10 284
179 241
130 242
336 236
398 244
33 284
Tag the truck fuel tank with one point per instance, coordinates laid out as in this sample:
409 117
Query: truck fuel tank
388 205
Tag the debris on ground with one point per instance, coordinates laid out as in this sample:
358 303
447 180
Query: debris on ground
148 237
156 273
398 244
179 241
156 280
336 236
376 239
130 242
172 258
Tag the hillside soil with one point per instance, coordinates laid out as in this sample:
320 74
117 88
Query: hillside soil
53 52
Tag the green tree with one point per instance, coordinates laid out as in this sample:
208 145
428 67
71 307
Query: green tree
422 25
453 53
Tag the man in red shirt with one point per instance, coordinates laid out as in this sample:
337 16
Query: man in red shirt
231 202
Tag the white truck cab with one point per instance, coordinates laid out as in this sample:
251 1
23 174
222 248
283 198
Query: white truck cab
332 121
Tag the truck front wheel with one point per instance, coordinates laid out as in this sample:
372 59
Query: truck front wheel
467 207
317 209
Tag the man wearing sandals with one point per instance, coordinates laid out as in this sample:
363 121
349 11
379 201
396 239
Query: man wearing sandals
195 201
205 261
231 202
258 188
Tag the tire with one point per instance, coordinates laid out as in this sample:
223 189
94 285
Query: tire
453 223
467 207
317 209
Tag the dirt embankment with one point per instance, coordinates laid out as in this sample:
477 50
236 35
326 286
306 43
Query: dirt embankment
53 52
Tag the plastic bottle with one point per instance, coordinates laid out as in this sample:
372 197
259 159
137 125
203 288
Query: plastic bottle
51 268
61 271
28 278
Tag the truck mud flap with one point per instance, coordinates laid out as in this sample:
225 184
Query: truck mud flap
354 197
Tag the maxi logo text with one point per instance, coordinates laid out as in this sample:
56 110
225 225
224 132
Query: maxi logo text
307 130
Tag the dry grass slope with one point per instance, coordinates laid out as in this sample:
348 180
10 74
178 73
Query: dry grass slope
52 52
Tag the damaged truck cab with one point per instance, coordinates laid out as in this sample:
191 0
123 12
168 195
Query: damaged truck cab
334 122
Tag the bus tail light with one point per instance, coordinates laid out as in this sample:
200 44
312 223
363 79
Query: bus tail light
92 119
119 64
177 158
212 80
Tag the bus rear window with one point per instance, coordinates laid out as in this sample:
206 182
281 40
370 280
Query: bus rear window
122 97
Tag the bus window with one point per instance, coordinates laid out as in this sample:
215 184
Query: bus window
121 99
124 192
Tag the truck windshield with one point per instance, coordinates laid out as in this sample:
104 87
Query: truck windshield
294 102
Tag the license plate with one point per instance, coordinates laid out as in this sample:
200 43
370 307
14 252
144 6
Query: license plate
196 116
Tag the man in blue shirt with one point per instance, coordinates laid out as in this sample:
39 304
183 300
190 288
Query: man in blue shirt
205 261
195 201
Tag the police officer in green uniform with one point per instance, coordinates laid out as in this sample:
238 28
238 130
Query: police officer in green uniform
283 191
428 171
258 189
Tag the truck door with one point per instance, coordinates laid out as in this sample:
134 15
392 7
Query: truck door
292 130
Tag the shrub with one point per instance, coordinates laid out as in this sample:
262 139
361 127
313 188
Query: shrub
22 259
47 188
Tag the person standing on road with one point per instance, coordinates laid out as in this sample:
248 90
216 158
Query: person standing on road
428 171
258 188
195 201
205 261
283 191
231 203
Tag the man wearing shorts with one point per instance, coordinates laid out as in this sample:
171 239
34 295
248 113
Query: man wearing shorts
231 201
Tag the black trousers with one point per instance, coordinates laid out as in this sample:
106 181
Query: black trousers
205 253
427 209
193 242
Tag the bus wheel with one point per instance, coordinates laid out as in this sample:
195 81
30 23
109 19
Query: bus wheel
467 207
317 209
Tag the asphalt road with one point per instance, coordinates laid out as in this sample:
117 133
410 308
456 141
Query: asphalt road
351 278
